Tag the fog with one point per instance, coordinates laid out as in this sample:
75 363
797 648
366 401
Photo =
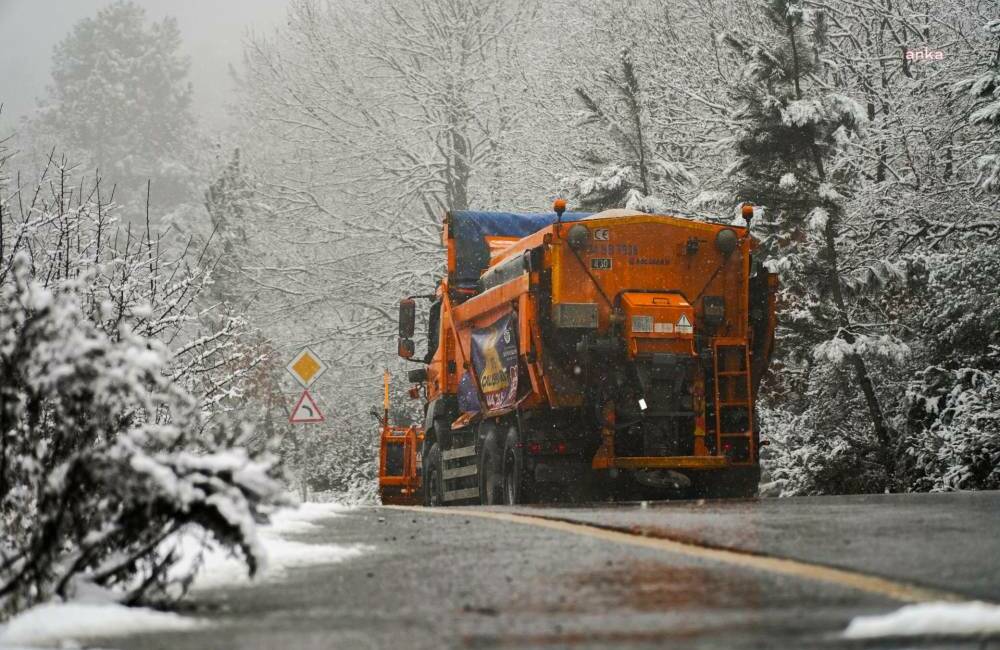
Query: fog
212 31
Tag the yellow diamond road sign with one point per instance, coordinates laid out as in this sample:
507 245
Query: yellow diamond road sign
306 367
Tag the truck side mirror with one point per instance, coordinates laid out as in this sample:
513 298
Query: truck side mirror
407 318
407 325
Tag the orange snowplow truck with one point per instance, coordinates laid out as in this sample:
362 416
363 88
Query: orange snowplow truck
582 356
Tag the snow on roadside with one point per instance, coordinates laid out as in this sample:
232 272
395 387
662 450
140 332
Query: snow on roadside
93 615
222 569
52 624
972 618
307 512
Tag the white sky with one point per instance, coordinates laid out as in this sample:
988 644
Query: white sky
212 32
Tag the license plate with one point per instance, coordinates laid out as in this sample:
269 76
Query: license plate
600 263
642 323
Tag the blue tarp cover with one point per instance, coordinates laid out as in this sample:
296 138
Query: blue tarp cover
470 228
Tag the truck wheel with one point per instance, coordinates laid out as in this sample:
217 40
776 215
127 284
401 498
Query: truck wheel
516 486
491 477
433 481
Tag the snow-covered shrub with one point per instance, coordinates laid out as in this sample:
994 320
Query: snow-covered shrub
953 402
108 444
825 448
960 449
803 459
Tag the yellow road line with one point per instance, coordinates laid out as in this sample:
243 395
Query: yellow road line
893 589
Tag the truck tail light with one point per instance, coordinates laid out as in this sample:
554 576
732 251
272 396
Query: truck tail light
556 447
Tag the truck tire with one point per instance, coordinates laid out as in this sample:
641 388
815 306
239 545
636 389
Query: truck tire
491 477
517 486
433 479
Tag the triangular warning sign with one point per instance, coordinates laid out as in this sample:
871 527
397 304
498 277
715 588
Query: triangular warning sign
684 325
306 411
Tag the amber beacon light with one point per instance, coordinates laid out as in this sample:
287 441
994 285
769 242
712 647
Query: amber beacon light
559 206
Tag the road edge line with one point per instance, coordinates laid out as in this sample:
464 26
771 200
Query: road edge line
894 589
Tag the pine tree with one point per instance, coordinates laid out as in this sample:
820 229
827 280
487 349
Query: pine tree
985 91
120 100
229 201
626 168
791 131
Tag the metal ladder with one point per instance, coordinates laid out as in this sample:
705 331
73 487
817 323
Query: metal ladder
733 393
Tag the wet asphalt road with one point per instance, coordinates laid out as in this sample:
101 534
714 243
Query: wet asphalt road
457 581
944 541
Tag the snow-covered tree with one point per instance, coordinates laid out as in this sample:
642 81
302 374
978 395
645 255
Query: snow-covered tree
794 133
120 102
633 167
229 201
985 89
113 399
909 204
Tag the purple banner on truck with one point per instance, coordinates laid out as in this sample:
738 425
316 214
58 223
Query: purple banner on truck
495 362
